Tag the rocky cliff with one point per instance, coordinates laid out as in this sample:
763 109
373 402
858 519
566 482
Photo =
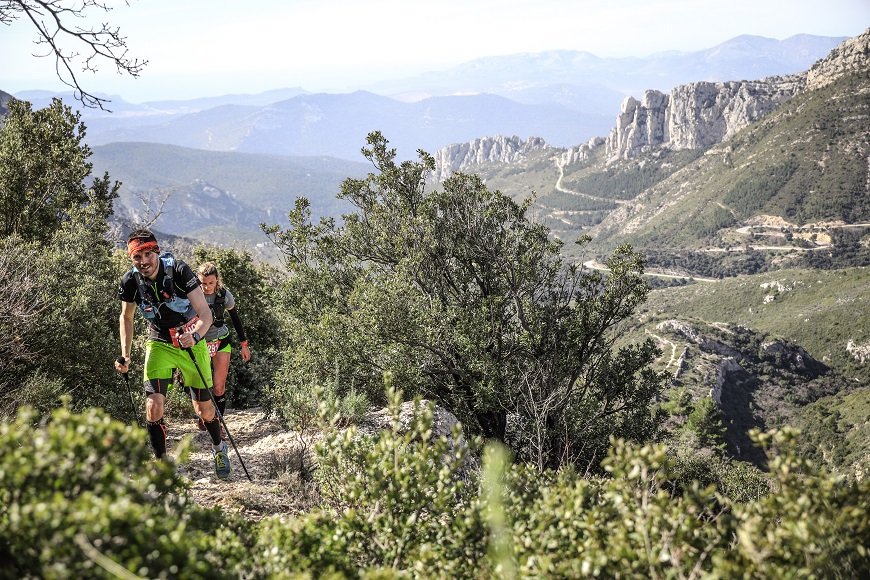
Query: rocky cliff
851 56
699 115
580 153
695 116
498 149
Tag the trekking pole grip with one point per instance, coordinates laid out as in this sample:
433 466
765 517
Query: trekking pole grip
122 361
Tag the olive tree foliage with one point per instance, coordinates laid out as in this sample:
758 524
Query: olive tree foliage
61 315
64 33
457 292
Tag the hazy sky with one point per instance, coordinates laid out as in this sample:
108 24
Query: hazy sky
211 47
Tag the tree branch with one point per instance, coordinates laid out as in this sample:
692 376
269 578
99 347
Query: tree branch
54 21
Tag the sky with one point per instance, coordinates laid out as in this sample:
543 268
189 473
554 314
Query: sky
198 48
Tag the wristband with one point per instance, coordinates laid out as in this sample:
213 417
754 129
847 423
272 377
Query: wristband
196 337
244 343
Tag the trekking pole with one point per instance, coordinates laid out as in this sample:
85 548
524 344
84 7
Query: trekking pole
218 413
126 376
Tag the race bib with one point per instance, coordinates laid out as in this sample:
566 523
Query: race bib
186 327
213 346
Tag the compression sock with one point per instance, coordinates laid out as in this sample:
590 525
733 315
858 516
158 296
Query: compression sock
157 434
214 429
221 401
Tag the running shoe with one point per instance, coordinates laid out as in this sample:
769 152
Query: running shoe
222 466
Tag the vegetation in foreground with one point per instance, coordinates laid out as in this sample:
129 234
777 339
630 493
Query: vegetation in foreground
81 499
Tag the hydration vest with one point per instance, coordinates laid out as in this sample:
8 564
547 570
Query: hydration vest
217 308
166 291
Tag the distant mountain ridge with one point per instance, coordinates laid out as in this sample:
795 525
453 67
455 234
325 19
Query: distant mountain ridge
709 166
336 125
4 98
519 75
564 97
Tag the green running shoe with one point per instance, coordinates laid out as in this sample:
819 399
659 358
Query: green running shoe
222 466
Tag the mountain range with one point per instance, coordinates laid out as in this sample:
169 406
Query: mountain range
564 97
708 166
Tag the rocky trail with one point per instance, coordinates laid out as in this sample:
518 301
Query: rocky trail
271 454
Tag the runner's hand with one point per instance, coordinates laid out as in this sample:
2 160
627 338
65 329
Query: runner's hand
246 352
122 365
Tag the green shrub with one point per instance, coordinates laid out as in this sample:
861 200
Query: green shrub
679 401
79 492
738 481
389 511
814 525
80 498
396 500
705 421
627 525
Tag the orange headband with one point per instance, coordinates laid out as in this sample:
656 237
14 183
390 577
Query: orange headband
138 245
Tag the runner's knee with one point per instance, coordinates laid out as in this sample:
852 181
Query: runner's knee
205 410
154 407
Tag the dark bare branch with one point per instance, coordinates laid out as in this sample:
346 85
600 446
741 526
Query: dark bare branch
59 35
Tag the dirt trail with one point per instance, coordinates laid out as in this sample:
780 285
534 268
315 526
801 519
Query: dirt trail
661 339
270 452
559 187
594 265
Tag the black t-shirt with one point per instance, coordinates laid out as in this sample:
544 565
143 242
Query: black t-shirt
184 280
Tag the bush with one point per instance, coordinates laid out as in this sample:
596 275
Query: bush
471 303
654 515
78 493
635 524
814 525
69 337
395 500
705 421
737 481
79 498
627 525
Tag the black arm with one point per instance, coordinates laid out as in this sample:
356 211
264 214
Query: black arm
237 323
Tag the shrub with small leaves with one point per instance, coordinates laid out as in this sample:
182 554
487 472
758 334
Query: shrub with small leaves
628 525
396 500
636 524
79 494
815 525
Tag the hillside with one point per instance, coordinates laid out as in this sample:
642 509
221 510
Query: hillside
219 196
782 166
834 327
713 179
789 347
